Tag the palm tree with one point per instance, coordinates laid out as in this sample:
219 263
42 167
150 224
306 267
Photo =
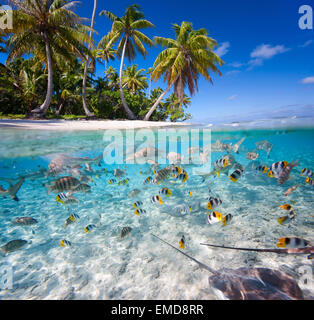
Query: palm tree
133 79
113 77
127 29
185 58
46 28
105 52
88 113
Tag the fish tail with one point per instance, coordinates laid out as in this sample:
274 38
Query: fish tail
12 191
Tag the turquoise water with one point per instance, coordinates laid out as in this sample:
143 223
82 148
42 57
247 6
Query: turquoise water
99 265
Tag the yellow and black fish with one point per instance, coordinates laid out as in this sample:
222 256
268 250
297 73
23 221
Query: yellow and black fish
288 218
276 168
139 211
214 217
213 203
137 204
165 191
236 175
72 218
286 207
65 243
112 181
309 181
89 228
148 180
226 219
262 168
221 163
155 199
306 173
182 242
183 177
61 197
292 242
123 182
176 171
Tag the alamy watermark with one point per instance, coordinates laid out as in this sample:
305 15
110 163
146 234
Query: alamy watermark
306 20
163 146
6 17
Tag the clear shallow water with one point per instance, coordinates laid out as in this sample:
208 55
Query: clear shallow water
101 266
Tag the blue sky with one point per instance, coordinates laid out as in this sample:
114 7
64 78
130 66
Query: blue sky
269 63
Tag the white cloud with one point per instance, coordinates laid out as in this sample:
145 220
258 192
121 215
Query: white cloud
236 64
306 44
232 72
266 51
223 49
308 80
232 97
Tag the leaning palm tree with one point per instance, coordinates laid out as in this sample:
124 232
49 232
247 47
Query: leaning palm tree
133 79
46 28
88 113
126 29
185 58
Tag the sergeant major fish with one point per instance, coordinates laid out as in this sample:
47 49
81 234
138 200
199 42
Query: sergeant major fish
64 184
125 232
162 175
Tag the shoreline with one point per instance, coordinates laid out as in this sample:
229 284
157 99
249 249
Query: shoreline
89 125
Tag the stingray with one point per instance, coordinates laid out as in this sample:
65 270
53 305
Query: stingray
250 283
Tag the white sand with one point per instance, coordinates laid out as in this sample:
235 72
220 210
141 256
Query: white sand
85 124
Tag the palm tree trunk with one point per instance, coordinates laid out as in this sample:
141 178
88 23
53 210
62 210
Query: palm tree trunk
60 107
153 108
44 107
87 112
127 109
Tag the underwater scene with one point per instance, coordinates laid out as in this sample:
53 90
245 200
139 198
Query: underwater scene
76 225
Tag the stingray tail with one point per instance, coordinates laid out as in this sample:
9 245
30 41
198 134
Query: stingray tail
202 265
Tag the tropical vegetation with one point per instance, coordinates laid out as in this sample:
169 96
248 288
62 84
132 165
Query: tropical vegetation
51 60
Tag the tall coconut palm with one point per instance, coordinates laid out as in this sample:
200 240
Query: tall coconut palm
88 113
133 79
126 31
185 58
105 52
46 28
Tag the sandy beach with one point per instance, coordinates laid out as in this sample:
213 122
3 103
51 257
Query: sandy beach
86 124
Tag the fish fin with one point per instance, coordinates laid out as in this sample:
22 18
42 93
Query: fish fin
12 191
